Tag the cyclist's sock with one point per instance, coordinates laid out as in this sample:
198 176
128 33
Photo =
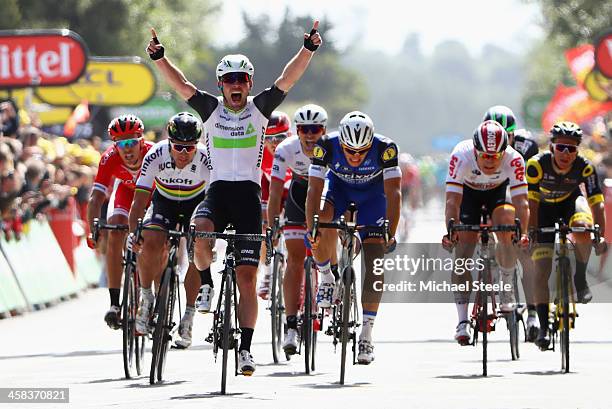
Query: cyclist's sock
114 296
205 277
291 321
147 293
189 311
246 335
580 277
542 315
325 270
462 310
368 324
334 270
531 310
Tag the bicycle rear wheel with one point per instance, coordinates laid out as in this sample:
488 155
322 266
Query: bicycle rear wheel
277 306
128 314
347 277
227 326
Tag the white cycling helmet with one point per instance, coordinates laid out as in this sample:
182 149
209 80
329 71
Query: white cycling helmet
310 114
234 63
356 130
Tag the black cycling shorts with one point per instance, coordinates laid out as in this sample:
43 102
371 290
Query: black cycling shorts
473 200
165 214
570 209
238 203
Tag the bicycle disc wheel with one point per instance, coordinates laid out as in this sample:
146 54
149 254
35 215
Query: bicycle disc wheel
307 324
128 314
347 276
161 304
168 325
227 323
276 307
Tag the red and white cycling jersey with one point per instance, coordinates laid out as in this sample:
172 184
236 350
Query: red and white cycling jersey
463 170
111 167
266 176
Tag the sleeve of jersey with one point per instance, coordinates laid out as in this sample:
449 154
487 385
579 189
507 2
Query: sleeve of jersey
103 177
518 185
389 160
279 166
321 157
146 179
455 177
268 100
204 103
534 175
591 183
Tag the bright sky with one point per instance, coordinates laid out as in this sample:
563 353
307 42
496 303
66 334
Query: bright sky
384 24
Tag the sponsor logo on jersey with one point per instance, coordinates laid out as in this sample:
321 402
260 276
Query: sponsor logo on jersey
452 167
318 152
250 129
519 169
389 154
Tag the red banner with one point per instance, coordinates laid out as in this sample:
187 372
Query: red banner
40 57
572 104
581 61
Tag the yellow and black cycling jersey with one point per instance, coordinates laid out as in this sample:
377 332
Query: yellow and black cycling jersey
547 185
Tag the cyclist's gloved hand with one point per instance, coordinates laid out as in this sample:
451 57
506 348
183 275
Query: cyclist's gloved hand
90 242
448 242
601 248
314 241
524 241
132 244
155 49
391 245
313 40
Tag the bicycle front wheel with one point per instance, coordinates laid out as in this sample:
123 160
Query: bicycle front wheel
307 324
347 277
513 324
161 305
277 307
565 320
227 327
128 314
168 325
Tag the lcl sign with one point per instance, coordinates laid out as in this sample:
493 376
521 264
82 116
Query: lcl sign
41 57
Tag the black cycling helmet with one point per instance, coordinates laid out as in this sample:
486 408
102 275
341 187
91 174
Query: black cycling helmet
184 127
503 115
566 128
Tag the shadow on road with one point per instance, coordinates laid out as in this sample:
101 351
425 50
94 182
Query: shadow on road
292 374
334 385
108 380
467 376
157 385
216 395
540 373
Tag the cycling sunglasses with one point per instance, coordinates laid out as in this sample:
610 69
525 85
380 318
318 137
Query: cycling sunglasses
355 152
314 129
127 143
490 156
562 147
179 147
278 138
235 77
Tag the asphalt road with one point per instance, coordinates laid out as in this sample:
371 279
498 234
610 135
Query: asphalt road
417 362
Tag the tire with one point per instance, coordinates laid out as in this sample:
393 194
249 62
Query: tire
128 314
484 322
141 340
277 307
347 276
227 327
307 327
513 325
161 304
565 320
168 325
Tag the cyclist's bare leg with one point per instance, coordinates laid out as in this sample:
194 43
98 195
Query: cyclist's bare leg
246 280
192 284
203 253
505 252
151 260
464 250
294 276
114 251
542 257
370 299
328 237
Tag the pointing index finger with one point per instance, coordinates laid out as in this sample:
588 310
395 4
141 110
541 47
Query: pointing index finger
315 25
154 35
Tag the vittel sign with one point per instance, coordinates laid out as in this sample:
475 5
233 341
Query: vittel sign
41 57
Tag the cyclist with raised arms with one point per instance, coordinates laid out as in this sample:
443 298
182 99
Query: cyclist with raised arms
521 142
234 128
479 172
294 154
175 172
361 167
554 193
121 162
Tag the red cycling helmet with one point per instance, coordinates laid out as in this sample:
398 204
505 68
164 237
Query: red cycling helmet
490 137
279 123
125 125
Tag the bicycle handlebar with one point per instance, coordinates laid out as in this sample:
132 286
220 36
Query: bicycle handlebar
98 225
563 228
479 228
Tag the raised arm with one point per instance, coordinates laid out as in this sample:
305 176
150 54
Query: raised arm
296 67
170 72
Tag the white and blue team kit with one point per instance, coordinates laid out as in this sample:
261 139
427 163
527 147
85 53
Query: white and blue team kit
363 184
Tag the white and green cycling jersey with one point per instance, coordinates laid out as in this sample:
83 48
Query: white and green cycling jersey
235 140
